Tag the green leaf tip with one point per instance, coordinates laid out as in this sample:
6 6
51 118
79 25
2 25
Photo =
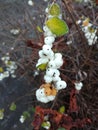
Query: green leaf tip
62 109
39 29
26 114
57 26
12 106
42 66
54 10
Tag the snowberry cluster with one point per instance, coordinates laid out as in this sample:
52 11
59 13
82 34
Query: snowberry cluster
10 67
52 62
89 31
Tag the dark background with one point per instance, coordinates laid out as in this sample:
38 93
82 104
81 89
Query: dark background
17 14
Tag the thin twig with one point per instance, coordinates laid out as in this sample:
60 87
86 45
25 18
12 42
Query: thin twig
73 19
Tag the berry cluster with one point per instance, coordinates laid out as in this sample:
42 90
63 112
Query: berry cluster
89 31
50 61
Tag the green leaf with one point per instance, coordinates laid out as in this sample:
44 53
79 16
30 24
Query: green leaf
42 66
33 109
1 114
62 109
61 128
91 30
26 114
39 29
57 26
13 106
1 70
54 10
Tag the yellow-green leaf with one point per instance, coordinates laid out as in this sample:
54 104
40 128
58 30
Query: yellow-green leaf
57 26
39 29
13 106
1 114
54 10
1 70
42 66
91 30
62 109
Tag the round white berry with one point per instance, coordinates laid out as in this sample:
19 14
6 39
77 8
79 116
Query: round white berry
47 79
30 2
56 78
40 92
22 119
49 40
51 64
51 98
46 49
41 61
58 55
58 62
45 28
46 10
52 72
49 33
40 95
79 85
41 54
44 99
61 85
